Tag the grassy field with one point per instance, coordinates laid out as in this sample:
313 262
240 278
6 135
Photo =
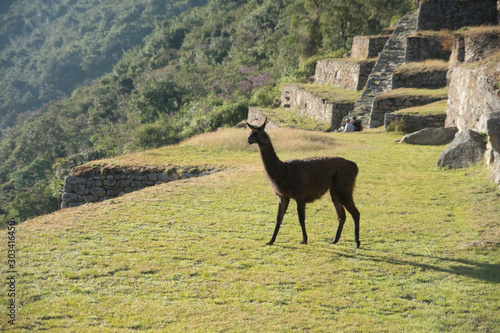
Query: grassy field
190 255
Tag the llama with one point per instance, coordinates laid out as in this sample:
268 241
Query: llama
307 180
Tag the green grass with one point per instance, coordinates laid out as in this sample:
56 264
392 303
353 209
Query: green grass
438 107
412 68
332 94
406 92
285 117
359 60
190 255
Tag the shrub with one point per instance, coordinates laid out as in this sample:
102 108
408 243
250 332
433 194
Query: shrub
37 201
159 97
397 125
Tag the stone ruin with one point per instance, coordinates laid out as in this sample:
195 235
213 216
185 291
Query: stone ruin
472 79
100 183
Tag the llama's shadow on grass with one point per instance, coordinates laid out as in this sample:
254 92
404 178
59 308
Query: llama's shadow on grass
457 266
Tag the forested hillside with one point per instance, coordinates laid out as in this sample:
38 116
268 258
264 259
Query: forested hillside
193 73
47 48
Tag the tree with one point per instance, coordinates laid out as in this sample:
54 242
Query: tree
161 96
37 201
27 176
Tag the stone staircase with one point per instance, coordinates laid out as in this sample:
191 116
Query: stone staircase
392 56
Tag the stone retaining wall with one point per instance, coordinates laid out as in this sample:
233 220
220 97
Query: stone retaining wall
413 123
311 105
479 47
383 105
428 80
454 14
365 47
343 73
257 116
420 48
97 185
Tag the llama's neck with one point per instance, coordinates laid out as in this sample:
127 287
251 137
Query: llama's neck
271 161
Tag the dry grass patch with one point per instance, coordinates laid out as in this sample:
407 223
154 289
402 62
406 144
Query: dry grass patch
482 31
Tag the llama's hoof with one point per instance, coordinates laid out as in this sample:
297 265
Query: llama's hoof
303 242
269 243
334 242
358 244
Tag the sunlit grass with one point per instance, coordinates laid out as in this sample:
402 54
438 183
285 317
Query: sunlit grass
438 107
289 118
332 94
408 92
190 255
412 68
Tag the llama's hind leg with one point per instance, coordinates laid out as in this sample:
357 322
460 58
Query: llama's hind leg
283 206
340 214
348 203
301 211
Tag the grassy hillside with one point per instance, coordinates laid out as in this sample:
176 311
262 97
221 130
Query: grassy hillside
190 255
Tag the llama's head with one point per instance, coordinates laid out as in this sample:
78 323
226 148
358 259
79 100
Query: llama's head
258 135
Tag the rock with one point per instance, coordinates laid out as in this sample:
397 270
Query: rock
74 180
493 130
187 175
109 182
89 198
79 189
495 168
467 148
98 191
70 197
68 187
430 136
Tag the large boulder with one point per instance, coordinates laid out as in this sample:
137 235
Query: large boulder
495 168
467 148
493 130
431 136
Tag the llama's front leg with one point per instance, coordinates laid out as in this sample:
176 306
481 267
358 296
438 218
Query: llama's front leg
301 210
283 206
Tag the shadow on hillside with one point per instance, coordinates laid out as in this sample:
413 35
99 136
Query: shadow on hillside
457 266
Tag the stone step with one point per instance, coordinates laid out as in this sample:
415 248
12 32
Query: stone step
391 57
399 99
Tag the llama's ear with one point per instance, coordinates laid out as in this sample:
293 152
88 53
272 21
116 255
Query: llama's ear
263 126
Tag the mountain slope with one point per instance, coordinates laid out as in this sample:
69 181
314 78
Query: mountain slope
47 48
